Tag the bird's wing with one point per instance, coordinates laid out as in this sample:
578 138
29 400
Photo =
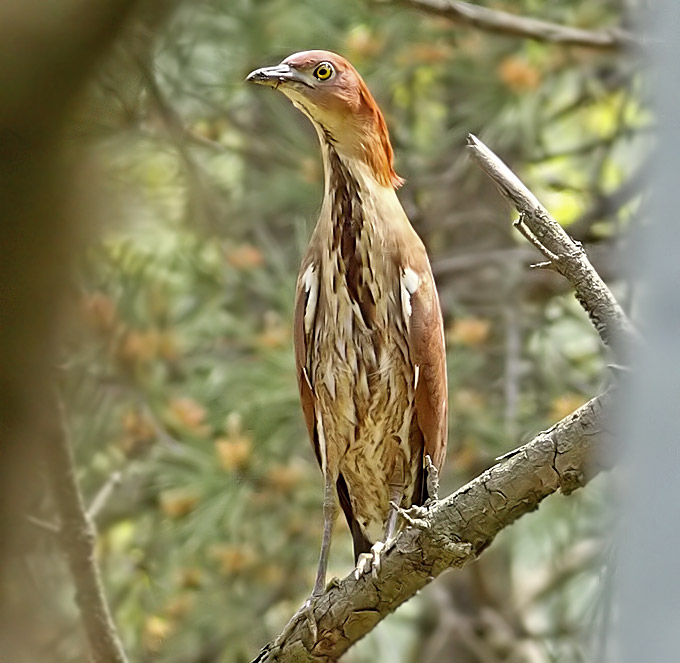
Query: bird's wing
304 319
420 306
306 295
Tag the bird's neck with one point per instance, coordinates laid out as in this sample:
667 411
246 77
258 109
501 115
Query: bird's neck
360 224
355 201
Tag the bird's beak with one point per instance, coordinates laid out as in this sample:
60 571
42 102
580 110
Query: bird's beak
274 76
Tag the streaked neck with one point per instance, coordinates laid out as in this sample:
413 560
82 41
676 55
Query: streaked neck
351 192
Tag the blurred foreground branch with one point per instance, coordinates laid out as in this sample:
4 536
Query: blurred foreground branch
453 532
50 51
458 528
500 22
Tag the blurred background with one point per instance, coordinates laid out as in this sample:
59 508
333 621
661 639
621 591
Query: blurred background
177 366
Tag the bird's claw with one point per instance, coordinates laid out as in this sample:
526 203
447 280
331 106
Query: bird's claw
306 612
372 561
414 516
333 582
432 480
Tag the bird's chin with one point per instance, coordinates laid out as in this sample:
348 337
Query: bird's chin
266 82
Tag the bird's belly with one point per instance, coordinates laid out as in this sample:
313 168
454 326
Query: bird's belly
365 389
372 470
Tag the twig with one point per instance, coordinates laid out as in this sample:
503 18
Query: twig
546 264
77 541
500 22
453 532
44 525
566 256
532 239
103 495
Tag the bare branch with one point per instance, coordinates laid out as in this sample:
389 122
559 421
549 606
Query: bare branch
453 532
103 495
77 540
566 256
500 22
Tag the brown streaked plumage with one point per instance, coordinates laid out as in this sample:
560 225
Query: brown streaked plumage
369 342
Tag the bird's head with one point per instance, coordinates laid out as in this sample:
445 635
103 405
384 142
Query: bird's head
330 91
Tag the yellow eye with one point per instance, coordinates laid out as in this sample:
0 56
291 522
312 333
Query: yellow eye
324 71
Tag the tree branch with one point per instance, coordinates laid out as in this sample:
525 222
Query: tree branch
500 22
77 541
455 531
566 256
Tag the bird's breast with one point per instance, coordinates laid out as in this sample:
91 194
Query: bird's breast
363 377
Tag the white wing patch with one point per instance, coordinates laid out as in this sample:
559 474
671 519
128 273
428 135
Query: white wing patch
322 441
310 282
411 280
409 284
306 375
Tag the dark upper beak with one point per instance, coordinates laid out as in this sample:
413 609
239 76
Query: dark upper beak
273 76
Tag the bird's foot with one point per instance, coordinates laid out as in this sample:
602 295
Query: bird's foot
306 612
432 480
414 515
333 582
372 561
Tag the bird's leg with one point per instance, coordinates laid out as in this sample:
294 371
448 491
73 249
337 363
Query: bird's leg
330 508
307 610
373 560
396 494
432 480
415 515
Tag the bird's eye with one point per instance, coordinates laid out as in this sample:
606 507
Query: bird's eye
324 71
